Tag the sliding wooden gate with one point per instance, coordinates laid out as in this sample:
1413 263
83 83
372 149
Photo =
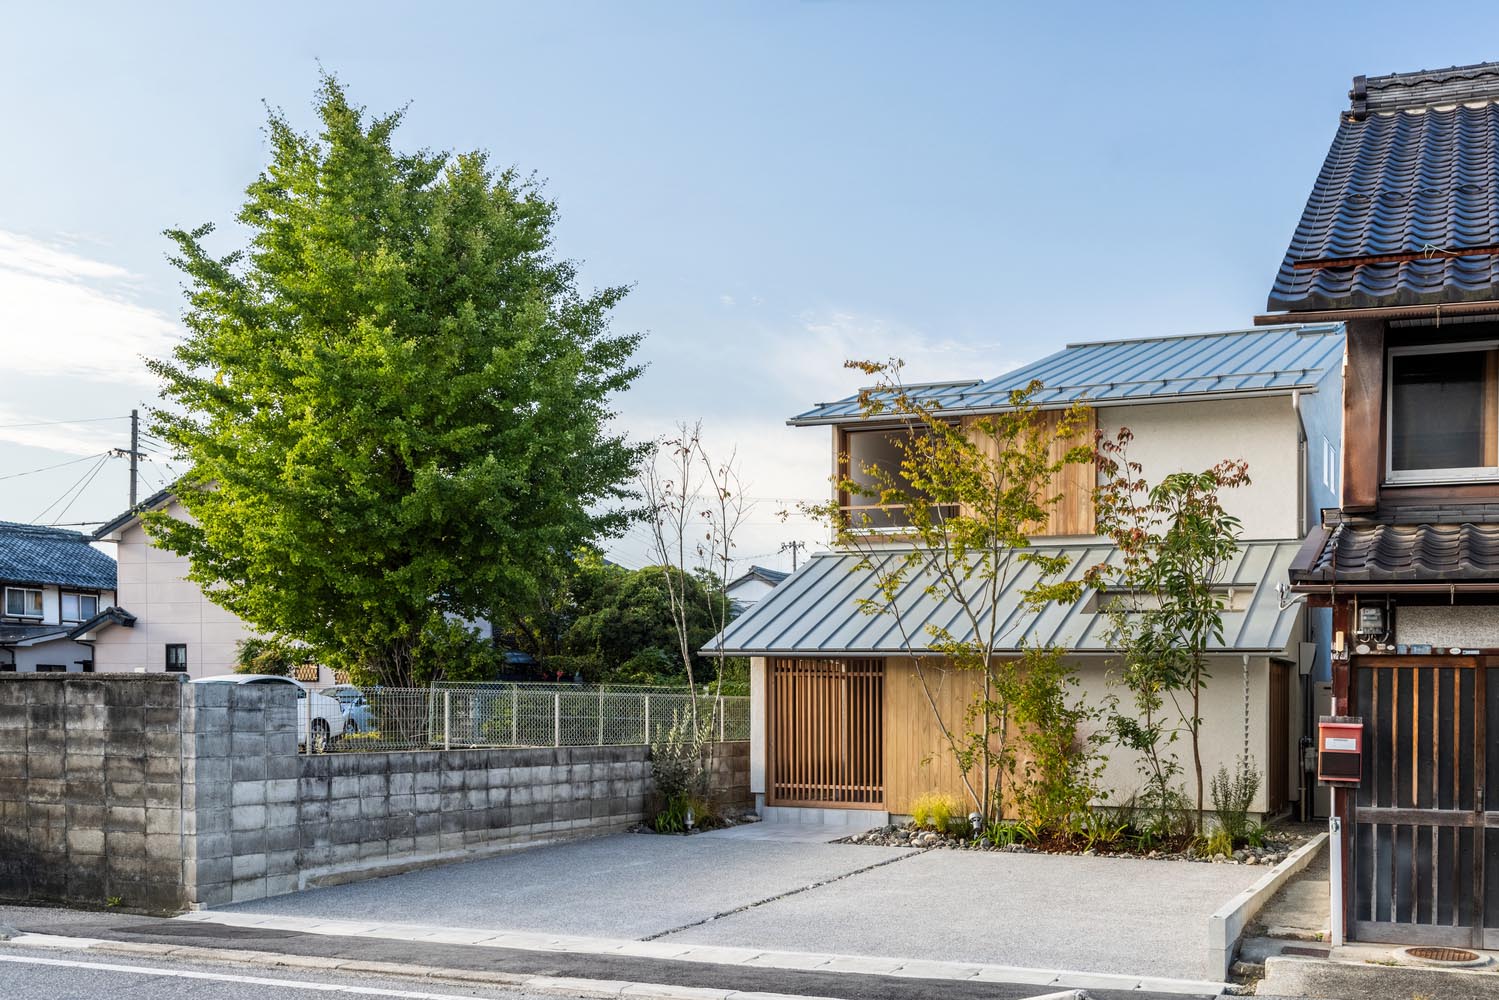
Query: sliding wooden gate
1421 827
824 733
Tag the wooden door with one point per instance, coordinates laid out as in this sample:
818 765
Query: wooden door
1278 766
1419 825
824 733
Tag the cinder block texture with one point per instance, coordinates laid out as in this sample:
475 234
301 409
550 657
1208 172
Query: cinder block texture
164 794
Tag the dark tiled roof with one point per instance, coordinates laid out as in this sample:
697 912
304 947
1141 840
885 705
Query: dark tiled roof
20 633
30 553
104 619
770 576
1413 169
1376 552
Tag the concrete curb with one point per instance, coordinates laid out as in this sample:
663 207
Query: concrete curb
1319 977
550 985
1228 923
1054 979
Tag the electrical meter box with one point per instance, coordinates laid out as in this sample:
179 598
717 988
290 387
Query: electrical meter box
1340 750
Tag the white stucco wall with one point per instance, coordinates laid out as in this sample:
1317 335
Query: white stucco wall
1191 437
749 591
169 609
63 651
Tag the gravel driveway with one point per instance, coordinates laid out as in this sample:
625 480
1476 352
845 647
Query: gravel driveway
1146 918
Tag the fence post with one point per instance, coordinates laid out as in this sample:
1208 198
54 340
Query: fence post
556 718
447 720
648 719
721 714
601 715
307 700
514 716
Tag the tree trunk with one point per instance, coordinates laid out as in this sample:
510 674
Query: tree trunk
1197 751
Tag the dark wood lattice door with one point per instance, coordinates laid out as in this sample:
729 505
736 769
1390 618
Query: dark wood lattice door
1422 833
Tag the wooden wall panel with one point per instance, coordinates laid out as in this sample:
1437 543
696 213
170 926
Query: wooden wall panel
1073 514
917 759
1363 426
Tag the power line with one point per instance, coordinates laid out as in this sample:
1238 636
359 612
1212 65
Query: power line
81 490
87 475
49 468
52 423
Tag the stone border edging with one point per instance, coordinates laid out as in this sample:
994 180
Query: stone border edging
714 954
1227 924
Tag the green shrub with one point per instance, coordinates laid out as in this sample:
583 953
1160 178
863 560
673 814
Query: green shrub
958 826
1217 843
1257 835
1232 796
933 811
1004 833
1099 829
673 816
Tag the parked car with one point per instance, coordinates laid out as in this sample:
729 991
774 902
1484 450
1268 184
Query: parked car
356 707
325 714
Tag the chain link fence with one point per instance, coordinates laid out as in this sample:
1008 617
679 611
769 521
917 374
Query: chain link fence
460 716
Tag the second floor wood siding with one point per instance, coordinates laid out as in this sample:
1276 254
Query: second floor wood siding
1073 484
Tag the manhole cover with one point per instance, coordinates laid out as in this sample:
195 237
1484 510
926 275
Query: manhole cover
1444 956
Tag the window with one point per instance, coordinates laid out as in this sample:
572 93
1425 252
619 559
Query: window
79 607
873 458
51 668
1329 466
21 602
176 658
1442 411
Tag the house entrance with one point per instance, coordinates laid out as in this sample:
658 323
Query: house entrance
1422 831
824 732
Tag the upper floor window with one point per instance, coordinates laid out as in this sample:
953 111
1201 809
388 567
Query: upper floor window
23 602
1442 411
79 607
176 658
874 460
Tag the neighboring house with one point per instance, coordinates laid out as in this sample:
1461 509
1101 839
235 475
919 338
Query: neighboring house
839 721
177 628
56 592
1400 241
746 590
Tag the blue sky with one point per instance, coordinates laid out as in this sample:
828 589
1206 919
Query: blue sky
968 186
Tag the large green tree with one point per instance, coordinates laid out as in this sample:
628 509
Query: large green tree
394 399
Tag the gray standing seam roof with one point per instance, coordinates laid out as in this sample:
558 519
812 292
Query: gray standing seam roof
816 611
31 553
1261 361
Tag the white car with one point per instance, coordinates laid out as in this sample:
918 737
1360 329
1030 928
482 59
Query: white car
325 714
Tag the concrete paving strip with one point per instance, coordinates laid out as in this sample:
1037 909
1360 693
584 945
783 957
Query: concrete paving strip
719 955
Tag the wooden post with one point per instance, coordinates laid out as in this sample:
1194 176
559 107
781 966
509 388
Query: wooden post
1363 430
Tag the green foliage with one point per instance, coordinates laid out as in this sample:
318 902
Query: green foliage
1175 540
393 400
1217 843
1061 742
674 815
966 496
958 827
1232 796
1256 835
1006 833
1099 830
679 757
933 811
276 657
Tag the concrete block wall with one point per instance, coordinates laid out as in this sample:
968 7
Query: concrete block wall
166 795
91 790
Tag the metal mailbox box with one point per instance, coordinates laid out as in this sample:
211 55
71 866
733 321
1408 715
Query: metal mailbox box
1340 750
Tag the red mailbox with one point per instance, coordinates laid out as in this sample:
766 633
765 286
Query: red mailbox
1340 750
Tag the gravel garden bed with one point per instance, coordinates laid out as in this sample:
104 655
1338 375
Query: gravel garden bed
1278 845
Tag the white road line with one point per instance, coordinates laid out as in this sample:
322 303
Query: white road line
225 977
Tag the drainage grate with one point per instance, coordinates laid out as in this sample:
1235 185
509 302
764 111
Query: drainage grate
1447 956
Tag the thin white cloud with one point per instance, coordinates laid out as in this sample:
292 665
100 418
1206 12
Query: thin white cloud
83 438
64 314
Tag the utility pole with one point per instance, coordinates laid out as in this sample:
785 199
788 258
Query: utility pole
135 453
793 546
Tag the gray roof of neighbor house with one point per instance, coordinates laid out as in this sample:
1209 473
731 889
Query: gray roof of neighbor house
31 553
770 576
816 612
1271 360
1406 208
152 502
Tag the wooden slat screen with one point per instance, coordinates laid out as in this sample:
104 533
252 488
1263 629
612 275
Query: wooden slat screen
825 722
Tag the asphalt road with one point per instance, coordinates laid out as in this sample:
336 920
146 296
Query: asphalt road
53 974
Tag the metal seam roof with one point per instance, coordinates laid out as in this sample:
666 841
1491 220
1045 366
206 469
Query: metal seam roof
816 611
1266 360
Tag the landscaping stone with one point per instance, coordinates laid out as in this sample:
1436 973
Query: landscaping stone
1274 851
